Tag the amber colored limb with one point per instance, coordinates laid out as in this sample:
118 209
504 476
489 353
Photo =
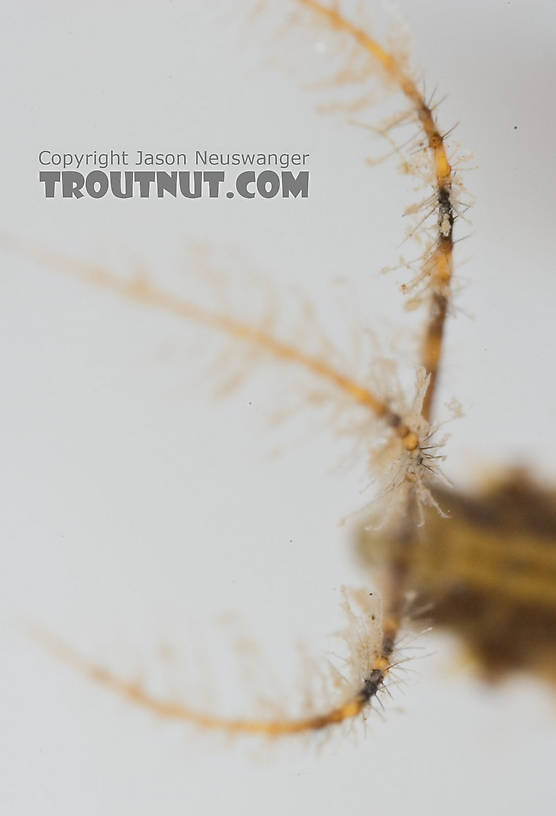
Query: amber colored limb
431 353
399 576
441 262
440 268
168 709
142 291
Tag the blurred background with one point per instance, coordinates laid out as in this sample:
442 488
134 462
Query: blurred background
153 525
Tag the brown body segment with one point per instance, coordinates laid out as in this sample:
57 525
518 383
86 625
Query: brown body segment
489 572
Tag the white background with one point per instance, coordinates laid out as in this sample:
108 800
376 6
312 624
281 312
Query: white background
139 510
